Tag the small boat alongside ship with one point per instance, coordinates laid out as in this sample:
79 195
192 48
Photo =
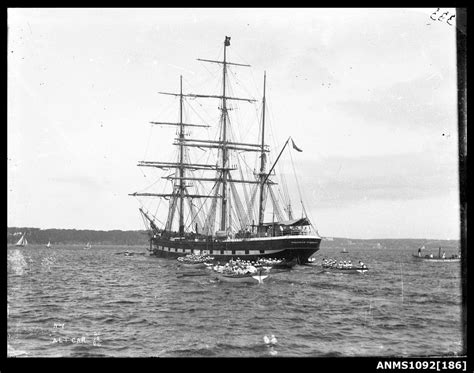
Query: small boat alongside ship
275 263
242 271
258 277
195 260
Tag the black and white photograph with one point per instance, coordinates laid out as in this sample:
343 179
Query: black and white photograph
237 183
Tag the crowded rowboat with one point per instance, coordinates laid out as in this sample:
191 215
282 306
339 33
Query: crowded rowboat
242 271
195 259
344 266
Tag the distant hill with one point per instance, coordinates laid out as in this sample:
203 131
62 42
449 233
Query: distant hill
118 237
75 236
382 243
376 240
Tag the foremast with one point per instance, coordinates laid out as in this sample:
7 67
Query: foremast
179 189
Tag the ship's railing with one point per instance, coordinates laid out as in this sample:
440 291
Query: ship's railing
290 232
284 232
279 231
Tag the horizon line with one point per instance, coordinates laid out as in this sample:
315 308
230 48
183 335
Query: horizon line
322 237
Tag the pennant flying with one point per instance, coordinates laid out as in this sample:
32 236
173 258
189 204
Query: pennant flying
295 147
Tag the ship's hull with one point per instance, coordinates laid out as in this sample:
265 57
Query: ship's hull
290 248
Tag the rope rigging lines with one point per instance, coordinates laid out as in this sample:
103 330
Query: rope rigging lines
240 204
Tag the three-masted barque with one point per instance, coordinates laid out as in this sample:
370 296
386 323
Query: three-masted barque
218 219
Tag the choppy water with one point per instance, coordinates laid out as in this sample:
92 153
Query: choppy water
71 302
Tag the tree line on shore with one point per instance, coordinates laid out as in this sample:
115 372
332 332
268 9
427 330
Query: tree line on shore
76 236
140 237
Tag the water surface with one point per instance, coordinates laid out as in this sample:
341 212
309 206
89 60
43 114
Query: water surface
70 302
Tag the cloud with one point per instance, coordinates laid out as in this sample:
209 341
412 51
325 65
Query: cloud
341 181
83 181
424 103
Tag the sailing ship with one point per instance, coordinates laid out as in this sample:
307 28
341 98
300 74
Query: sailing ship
225 218
22 241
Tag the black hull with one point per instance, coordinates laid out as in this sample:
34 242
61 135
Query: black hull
290 248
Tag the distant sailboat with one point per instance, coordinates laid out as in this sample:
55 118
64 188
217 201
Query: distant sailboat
344 250
22 241
88 246
48 245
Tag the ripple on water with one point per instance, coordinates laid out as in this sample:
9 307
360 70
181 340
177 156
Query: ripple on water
145 310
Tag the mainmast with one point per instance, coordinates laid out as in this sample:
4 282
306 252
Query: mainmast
224 145
224 139
262 159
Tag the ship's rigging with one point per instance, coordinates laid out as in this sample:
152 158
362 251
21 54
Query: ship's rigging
223 203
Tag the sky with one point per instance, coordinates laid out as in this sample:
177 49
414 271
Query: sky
370 96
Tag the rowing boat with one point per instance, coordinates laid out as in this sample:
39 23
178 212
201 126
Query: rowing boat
245 278
346 269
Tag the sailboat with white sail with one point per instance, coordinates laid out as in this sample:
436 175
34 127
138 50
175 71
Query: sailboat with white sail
48 245
22 242
223 215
